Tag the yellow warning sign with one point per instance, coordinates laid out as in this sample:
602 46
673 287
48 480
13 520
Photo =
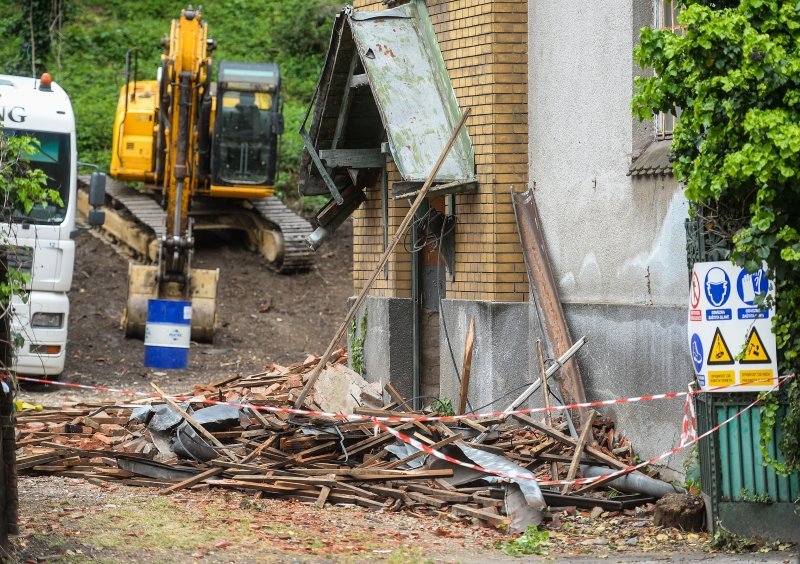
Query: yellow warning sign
757 377
719 353
754 350
721 378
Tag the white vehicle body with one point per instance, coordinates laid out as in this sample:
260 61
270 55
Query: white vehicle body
41 243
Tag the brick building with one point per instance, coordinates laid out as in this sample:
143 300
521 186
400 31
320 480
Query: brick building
549 86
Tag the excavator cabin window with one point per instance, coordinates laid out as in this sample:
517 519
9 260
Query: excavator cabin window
245 138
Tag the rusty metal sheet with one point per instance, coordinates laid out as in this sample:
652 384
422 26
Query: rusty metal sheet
412 91
544 293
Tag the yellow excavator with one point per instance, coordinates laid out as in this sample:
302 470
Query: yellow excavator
206 153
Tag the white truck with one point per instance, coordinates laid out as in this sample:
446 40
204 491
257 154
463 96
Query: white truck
41 242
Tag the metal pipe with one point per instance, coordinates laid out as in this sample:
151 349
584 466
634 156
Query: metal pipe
635 482
535 386
529 391
416 311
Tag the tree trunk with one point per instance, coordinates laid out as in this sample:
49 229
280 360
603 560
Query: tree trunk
8 465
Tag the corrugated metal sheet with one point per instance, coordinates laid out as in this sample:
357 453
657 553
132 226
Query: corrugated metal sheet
742 465
412 90
406 98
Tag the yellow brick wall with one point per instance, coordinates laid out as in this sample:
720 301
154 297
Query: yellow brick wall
484 45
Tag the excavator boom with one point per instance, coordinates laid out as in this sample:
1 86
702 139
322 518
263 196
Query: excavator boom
208 152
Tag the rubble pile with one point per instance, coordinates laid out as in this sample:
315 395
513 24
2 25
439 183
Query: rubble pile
188 443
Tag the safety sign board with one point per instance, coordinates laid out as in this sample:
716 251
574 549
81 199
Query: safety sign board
730 336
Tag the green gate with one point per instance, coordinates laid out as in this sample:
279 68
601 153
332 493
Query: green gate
741 493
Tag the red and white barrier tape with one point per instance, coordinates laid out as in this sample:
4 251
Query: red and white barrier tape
440 455
389 419
689 427
380 422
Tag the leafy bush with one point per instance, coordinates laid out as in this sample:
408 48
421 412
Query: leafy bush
735 74
98 33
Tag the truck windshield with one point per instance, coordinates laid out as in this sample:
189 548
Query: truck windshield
245 137
53 158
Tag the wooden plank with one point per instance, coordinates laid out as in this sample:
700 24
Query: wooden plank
258 450
403 190
567 440
396 396
586 432
197 426
419 453
426 499
544 288
374 441
323 496
192 481
466 367
353 158
483 515
470 423
455 497
370 475
399 235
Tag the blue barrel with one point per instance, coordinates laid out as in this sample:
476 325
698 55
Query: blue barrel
167 334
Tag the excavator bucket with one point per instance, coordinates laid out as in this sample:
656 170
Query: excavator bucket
143 286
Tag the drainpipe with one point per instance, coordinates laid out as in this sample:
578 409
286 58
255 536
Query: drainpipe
416 312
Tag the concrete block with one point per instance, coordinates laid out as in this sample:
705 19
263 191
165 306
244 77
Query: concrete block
503 353
388 347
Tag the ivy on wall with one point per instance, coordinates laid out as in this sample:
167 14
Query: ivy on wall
734 71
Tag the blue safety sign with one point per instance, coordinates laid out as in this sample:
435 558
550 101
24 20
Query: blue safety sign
718 286
697 353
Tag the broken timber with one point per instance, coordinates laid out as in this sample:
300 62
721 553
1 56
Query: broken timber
398 236
545 293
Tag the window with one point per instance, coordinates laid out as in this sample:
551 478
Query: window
667 12
54 159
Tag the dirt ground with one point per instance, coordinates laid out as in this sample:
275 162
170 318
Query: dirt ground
266 317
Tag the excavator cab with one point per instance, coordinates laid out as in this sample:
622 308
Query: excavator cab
247 124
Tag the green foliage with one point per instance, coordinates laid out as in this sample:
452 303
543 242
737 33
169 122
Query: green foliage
691 471
532 541
443 407
735 74
357 344
730 542
97 34
747 495
21 188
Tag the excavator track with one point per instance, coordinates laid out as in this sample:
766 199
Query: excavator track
142 222
296 255
141 206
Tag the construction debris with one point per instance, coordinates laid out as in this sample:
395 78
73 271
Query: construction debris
175 444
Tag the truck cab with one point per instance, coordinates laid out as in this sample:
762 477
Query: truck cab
40 242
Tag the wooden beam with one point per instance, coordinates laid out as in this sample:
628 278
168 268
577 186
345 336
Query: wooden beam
398 236
192 481
413 456
344 108
582 440
567 440
352 158
545 291
466 367
402 190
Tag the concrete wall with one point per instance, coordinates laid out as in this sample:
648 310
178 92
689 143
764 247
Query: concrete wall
388 346
504 355
616 244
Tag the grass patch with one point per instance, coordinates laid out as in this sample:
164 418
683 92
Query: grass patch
159 525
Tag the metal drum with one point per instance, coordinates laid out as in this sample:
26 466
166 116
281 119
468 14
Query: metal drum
167 334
